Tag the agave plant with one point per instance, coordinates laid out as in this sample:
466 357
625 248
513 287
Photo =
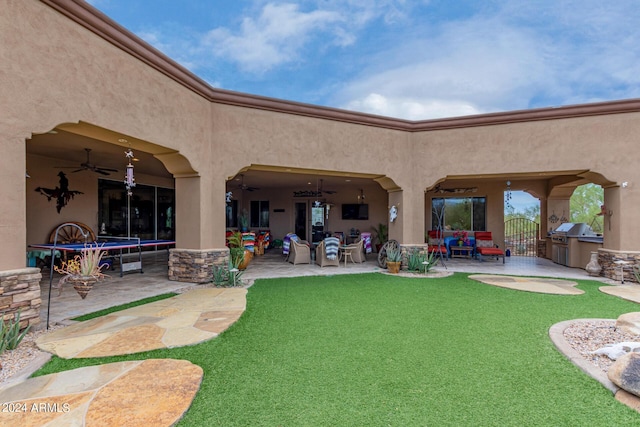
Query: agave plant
85 267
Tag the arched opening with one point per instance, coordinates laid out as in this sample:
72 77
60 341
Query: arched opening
311 203
78 173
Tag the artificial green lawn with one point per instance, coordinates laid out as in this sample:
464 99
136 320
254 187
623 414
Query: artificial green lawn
374 350
121 307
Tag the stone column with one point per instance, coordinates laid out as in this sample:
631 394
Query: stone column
20 291
621 234
200 229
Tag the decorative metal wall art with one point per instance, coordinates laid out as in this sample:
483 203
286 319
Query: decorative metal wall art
61 193
307 193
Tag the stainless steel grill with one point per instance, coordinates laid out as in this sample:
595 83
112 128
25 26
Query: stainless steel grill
570 229
560 249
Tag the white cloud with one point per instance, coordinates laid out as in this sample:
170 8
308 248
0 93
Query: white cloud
455 73
411 108
275 37
511 59
282 31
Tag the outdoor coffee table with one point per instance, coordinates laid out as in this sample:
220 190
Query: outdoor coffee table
461 251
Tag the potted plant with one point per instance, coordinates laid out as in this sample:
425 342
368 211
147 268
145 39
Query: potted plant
463 237
240 256
381 235
83 271
394 259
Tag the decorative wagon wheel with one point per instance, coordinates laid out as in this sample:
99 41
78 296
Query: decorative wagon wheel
382 254
71 234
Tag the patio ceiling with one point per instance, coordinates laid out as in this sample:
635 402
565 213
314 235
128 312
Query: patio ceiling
69 149
296 180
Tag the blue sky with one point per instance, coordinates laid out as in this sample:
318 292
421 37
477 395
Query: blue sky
410 59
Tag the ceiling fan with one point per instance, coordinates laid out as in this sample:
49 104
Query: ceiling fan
88 166
243 187
321 190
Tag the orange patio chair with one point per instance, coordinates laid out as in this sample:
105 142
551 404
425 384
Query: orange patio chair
485 246
436 243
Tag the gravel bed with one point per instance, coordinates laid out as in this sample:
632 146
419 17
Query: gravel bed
13 361
585 337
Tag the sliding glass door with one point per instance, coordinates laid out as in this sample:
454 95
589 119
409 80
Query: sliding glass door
148 214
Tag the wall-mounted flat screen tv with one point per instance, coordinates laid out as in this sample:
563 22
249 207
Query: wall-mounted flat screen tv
355 211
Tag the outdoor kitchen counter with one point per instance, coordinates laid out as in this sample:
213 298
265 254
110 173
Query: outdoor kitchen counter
585 246
596 239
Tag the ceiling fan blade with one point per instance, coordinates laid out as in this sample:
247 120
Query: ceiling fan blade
107 169
79 170
101 171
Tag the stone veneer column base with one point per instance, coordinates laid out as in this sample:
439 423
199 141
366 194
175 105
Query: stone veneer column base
20 290
407 249
610 270
195 265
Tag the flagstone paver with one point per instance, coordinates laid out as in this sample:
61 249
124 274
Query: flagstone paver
530 284
628 292
153 392
185 319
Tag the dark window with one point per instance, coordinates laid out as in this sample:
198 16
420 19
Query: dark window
460 213
259 214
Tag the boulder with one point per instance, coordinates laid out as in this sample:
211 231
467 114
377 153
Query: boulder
625 373
629 323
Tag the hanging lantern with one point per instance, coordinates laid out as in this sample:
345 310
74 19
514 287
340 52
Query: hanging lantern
129 180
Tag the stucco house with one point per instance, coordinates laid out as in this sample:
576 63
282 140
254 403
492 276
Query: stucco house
71 79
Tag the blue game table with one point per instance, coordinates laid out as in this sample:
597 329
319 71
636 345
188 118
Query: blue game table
110 244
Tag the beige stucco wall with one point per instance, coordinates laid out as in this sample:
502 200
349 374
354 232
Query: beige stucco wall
54 71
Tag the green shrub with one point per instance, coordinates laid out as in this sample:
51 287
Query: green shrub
431 260
223 276
394 255
415 260
235 277
220 275
10 335
237 256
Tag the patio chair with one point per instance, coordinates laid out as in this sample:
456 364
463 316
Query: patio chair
322 259
299 252
486 247
286 243
357 251
436 243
